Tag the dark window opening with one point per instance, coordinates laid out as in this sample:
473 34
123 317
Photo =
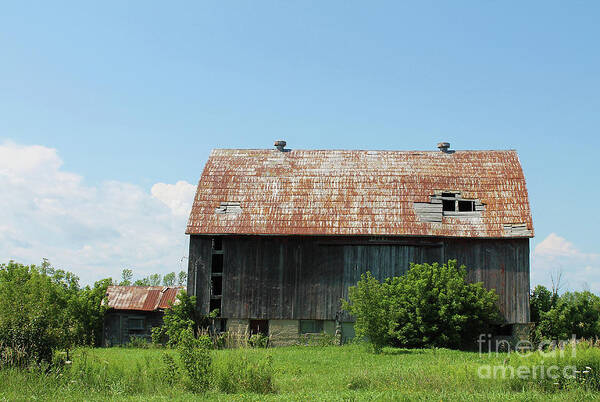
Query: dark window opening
466 206
217 243
259 327
216 285
217 263
448 195
311 326
448 205
136 323
215 304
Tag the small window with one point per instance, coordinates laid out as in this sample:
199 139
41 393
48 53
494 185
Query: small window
217 244
466 206
448 205
136 323
311 326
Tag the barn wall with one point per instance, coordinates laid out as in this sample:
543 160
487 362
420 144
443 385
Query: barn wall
302 277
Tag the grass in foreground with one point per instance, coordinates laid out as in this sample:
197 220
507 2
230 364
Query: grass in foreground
300 373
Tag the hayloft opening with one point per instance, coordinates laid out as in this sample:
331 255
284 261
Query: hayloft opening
448 205
217 263
466 206
448 195
217 244
216 288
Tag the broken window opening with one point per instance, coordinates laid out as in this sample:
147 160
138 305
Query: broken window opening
466 206
448 195
217 244
216 286
259 327
448 205
217 263
215 304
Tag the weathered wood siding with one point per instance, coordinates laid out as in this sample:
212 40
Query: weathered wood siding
116 326
304 277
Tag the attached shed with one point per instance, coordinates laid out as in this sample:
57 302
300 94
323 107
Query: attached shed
134 310
278 235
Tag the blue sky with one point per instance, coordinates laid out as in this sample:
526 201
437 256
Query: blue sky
136 94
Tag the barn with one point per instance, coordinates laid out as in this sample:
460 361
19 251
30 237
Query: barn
278 235
132 311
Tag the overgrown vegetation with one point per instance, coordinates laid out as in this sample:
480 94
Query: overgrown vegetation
431 305
44 309
297 373
561 317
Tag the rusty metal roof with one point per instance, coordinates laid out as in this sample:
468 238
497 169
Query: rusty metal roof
337 192
143 298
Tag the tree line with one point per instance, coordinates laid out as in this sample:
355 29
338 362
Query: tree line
43 309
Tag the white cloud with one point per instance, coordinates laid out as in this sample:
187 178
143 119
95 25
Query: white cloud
94 231
176 196
556 246
554 255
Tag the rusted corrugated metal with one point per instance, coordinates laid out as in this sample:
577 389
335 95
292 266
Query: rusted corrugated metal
320 192
142 298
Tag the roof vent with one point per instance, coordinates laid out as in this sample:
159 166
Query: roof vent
444 146
280 145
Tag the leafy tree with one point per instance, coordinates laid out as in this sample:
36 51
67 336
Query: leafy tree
142 282
34 315
182 278
576 313
154 280
169 279
180 317
126 277
541 301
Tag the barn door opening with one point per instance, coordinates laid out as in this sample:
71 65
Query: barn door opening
259 327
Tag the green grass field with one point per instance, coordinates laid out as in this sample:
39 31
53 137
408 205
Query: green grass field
300 373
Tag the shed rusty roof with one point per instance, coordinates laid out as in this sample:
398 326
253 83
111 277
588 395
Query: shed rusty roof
143 298
337 192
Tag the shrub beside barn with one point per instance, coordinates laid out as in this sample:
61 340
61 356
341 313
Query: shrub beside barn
134 310
277 236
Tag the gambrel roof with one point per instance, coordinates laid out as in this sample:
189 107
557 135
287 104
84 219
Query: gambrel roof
375 193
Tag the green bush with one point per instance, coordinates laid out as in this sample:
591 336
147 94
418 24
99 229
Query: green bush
370 304
431 305
196 360
171 372
180 317
258 341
